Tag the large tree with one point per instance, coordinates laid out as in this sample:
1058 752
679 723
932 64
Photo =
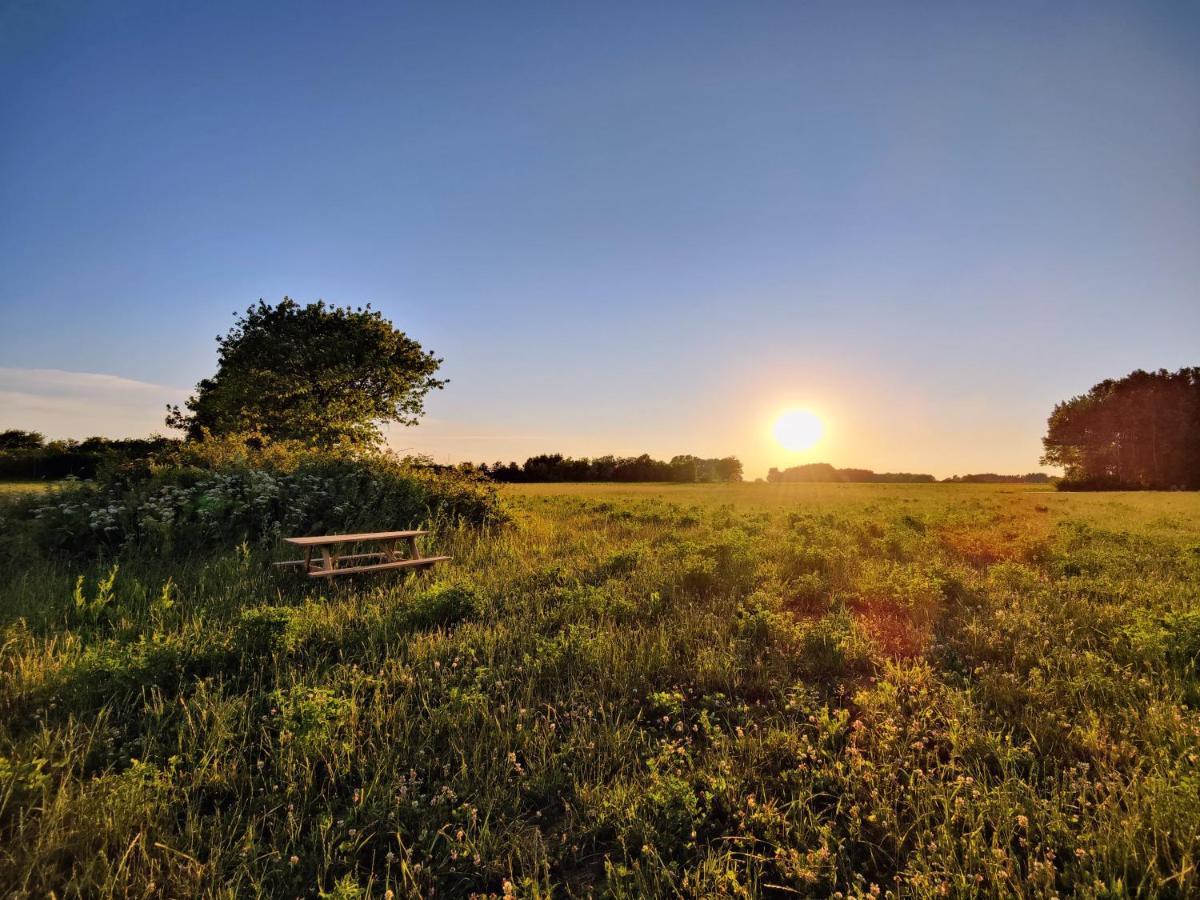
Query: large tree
321 374
1141 431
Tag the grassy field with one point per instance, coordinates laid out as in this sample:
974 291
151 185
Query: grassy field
629 691
23 487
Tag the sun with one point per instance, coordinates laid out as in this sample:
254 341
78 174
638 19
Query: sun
798 429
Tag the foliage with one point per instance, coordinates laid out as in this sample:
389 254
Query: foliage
221 493
1138 432
39 460
817 472
325 375
554 467
633 691
15 439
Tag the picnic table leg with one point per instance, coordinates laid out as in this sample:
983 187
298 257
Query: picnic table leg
307 560
328 559
412 548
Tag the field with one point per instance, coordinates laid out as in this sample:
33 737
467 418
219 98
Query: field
22 487
629 691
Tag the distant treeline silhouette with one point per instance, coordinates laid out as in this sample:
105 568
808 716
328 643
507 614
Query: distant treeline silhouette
824 472
993 478
28 456
556 467
1141 432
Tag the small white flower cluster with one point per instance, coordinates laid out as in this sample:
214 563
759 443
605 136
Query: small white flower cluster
226 507
164 507
106 518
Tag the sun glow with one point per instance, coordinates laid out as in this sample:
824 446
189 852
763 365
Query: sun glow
798 429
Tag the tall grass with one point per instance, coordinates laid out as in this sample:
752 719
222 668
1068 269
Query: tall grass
873 690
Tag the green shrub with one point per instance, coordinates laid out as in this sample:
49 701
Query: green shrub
265 630
442 606
312 719
1183 643
194 499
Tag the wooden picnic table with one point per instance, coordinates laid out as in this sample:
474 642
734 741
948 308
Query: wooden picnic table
389 554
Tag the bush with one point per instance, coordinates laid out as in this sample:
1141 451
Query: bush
224 493
443 606
56 460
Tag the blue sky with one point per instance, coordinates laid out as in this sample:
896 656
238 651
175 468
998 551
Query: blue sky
626 227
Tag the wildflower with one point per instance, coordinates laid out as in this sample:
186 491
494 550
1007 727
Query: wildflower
1023 821
294 860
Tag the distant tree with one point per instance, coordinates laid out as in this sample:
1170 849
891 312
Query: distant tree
320 374
684 468
729 468
14 439
1141 431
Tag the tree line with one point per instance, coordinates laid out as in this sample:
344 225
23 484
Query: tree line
28 456
824 472
993 478
684 469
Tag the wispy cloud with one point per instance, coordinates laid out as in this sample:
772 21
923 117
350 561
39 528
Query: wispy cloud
65 404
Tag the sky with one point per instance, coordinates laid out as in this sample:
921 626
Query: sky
626 227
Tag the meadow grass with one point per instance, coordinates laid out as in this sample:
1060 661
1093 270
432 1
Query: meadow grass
24 487
628 691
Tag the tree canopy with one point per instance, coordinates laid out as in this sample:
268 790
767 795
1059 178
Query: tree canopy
1141 431
15 439
324 375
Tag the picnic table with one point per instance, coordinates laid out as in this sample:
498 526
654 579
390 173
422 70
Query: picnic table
389 554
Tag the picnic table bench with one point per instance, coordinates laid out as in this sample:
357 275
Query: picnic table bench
388 556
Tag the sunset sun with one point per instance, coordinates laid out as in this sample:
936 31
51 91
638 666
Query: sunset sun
798 429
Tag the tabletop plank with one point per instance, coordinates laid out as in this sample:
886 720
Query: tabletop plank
326 539
423 562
